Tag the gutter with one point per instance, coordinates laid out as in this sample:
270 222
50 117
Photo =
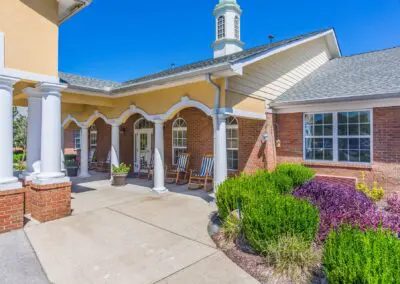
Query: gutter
76 9
217 93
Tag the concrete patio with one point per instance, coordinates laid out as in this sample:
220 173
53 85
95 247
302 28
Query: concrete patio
132 235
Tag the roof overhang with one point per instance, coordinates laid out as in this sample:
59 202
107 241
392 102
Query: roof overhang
68 8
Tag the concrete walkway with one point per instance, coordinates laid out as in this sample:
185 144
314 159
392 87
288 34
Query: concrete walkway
132 235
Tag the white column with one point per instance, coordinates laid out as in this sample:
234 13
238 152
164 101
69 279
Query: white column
84 152
7 179
221 168
115 145
159 157
62 149
50 167
34 133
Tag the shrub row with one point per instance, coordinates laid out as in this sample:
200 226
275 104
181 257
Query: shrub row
355 256
343 204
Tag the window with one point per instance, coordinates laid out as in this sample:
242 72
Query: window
232 143
143 124
179 138
354 134
93 136
318 132
77 139
338 137
221 27
237 28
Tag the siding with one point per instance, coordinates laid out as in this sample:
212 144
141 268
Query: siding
274 75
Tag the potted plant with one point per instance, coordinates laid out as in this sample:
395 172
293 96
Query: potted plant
72 168
119 174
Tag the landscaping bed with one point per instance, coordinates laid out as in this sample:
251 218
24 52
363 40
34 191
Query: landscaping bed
285 227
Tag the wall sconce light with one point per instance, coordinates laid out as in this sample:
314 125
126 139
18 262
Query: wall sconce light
122 131
265 138
278 143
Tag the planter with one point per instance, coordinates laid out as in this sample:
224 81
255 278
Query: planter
119 179
72 172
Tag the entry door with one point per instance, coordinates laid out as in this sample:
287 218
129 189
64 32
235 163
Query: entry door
143 144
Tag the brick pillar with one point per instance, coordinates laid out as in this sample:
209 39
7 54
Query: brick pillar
50 202
270 147
27 203
11 210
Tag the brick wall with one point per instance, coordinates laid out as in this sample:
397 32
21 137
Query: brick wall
103 139
50 202
11 210
386 152
69 145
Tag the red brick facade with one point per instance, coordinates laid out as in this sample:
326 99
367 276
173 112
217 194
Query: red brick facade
386 148
11 210
50 202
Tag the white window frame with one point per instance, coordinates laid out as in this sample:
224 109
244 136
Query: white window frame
93 131
178 129
232 126
77 137
221 27
336 138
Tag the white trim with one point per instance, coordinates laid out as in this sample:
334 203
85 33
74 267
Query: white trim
242 113
263 55
343 106
2 51
25 75
185 103
133 110
70 119
95 116
335 138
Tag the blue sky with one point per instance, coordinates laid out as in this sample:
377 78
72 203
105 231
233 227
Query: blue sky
125 39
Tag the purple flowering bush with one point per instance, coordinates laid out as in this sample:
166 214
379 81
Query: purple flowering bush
393 202
343 204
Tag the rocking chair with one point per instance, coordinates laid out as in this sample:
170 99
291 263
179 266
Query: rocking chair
147 169
92 159
181 168
205 175
105 166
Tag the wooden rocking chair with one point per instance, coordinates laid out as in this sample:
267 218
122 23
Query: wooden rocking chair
205 175
105 166
92 159
181 168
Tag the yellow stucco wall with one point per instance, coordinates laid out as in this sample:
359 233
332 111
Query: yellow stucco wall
244 103
82 107
30 30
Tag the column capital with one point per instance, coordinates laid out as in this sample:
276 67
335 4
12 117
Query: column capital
159 121
45 89
7 83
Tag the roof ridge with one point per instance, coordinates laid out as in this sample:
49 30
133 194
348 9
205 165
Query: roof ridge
371 51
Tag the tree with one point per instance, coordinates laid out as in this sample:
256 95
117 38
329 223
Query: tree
20 129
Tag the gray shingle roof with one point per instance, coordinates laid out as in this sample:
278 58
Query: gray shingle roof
373 73
86 82
95 84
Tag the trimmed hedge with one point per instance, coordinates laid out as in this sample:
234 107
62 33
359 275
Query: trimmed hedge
298 173
354 256
270 216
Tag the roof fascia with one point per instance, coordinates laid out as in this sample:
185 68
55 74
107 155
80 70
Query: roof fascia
77 9
252 59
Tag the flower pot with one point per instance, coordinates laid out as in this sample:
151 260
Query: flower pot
72 172
119 179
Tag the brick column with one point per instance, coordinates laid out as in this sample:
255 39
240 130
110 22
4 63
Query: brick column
11 210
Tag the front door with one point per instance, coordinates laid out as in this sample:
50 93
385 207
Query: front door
143 142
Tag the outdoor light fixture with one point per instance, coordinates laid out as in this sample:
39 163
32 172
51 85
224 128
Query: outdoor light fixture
265 138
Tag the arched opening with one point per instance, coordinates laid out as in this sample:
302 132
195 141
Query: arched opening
143 144
221 27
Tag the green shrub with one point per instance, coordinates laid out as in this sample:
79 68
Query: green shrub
298 173
282 182
270 216
294 258
18 157
235 190
70 157
231 227
121 169
354 256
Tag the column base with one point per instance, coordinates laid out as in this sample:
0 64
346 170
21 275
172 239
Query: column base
10 183
11 210
50 201
28 176
160 189
84 175
51 178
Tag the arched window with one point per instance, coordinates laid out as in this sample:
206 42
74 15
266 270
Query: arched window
143 124
232 143
221 27
237 28
179 138
93 136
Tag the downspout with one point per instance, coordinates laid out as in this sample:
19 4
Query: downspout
217 93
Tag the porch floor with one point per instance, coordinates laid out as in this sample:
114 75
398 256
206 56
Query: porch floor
132 235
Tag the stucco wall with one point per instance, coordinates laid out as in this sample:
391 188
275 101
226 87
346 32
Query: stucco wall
30 29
